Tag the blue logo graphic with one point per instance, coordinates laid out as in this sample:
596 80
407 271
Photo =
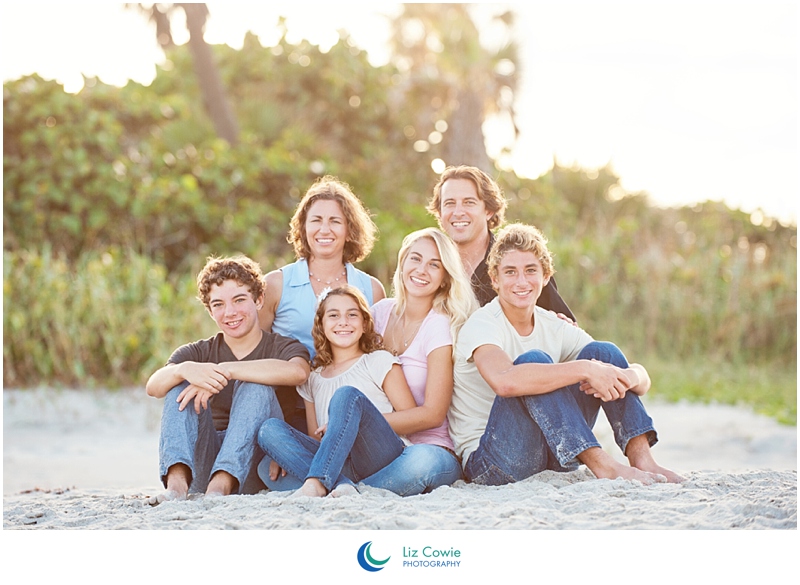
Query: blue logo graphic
367 562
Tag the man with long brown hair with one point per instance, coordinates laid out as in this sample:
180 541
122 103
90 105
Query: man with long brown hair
469 204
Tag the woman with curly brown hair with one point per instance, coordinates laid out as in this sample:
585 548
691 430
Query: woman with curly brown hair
330 230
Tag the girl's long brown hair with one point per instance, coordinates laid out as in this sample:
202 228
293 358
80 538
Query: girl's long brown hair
370 340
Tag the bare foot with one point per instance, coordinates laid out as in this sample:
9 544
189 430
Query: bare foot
625 472
166 496
344 489
603 466
178 479
311 488
670 476
640 457
222 484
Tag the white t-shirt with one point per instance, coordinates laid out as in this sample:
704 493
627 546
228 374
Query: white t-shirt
472 396
367 374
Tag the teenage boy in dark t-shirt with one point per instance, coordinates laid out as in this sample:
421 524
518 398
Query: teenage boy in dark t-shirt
227 383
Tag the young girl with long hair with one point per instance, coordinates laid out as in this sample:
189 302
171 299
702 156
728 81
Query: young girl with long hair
353 385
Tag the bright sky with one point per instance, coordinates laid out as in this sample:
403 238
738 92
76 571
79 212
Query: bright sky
688 101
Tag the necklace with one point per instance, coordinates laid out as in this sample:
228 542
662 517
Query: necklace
406 340
311 274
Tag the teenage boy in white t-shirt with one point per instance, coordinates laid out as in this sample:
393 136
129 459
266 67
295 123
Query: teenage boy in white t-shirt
529 386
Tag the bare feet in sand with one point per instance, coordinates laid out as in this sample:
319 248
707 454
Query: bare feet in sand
178 479
311 488
603 466
640 457
222 484
344 489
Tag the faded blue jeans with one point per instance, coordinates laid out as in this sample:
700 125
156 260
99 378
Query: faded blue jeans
528 434
192 440
420 469
357 443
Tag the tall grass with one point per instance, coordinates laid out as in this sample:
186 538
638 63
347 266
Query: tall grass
111 318
768 388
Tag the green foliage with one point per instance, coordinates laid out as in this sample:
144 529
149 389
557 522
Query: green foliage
702 280
769 388
140 167
112 318
113 198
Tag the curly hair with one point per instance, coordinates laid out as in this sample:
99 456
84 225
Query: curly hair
488 191
361 229
455 299
242 269
524 238
370 339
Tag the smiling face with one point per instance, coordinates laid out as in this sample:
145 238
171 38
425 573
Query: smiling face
326 229
342 322
519 280
234 310
463 214
423 273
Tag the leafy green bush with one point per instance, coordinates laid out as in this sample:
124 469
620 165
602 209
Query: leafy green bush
113 198
681 282
112 318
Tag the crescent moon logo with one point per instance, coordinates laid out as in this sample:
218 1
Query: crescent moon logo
367 562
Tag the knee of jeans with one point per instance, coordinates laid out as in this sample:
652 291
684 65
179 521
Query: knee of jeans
175 390
419 459
259 393
268 433
604 351
345 394
533 356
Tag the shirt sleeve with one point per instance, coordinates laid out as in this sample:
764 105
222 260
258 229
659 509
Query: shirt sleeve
379 364
477 331
305 389
437 333
574 340
286 348
190 352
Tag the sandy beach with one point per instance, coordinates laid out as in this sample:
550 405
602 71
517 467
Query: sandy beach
88 460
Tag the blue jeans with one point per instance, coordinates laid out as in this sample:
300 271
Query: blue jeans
357 443
420 469
192 440
528 434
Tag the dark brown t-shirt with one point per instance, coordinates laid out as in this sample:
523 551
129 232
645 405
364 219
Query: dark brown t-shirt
214 350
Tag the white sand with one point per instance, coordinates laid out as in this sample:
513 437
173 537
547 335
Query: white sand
89 460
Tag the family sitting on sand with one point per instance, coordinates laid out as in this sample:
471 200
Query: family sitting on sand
408 393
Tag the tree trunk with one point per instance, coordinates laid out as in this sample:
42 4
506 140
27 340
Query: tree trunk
214 96
464 143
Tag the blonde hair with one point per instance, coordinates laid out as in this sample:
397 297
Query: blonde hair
456 298
360 227
370 339
524 238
